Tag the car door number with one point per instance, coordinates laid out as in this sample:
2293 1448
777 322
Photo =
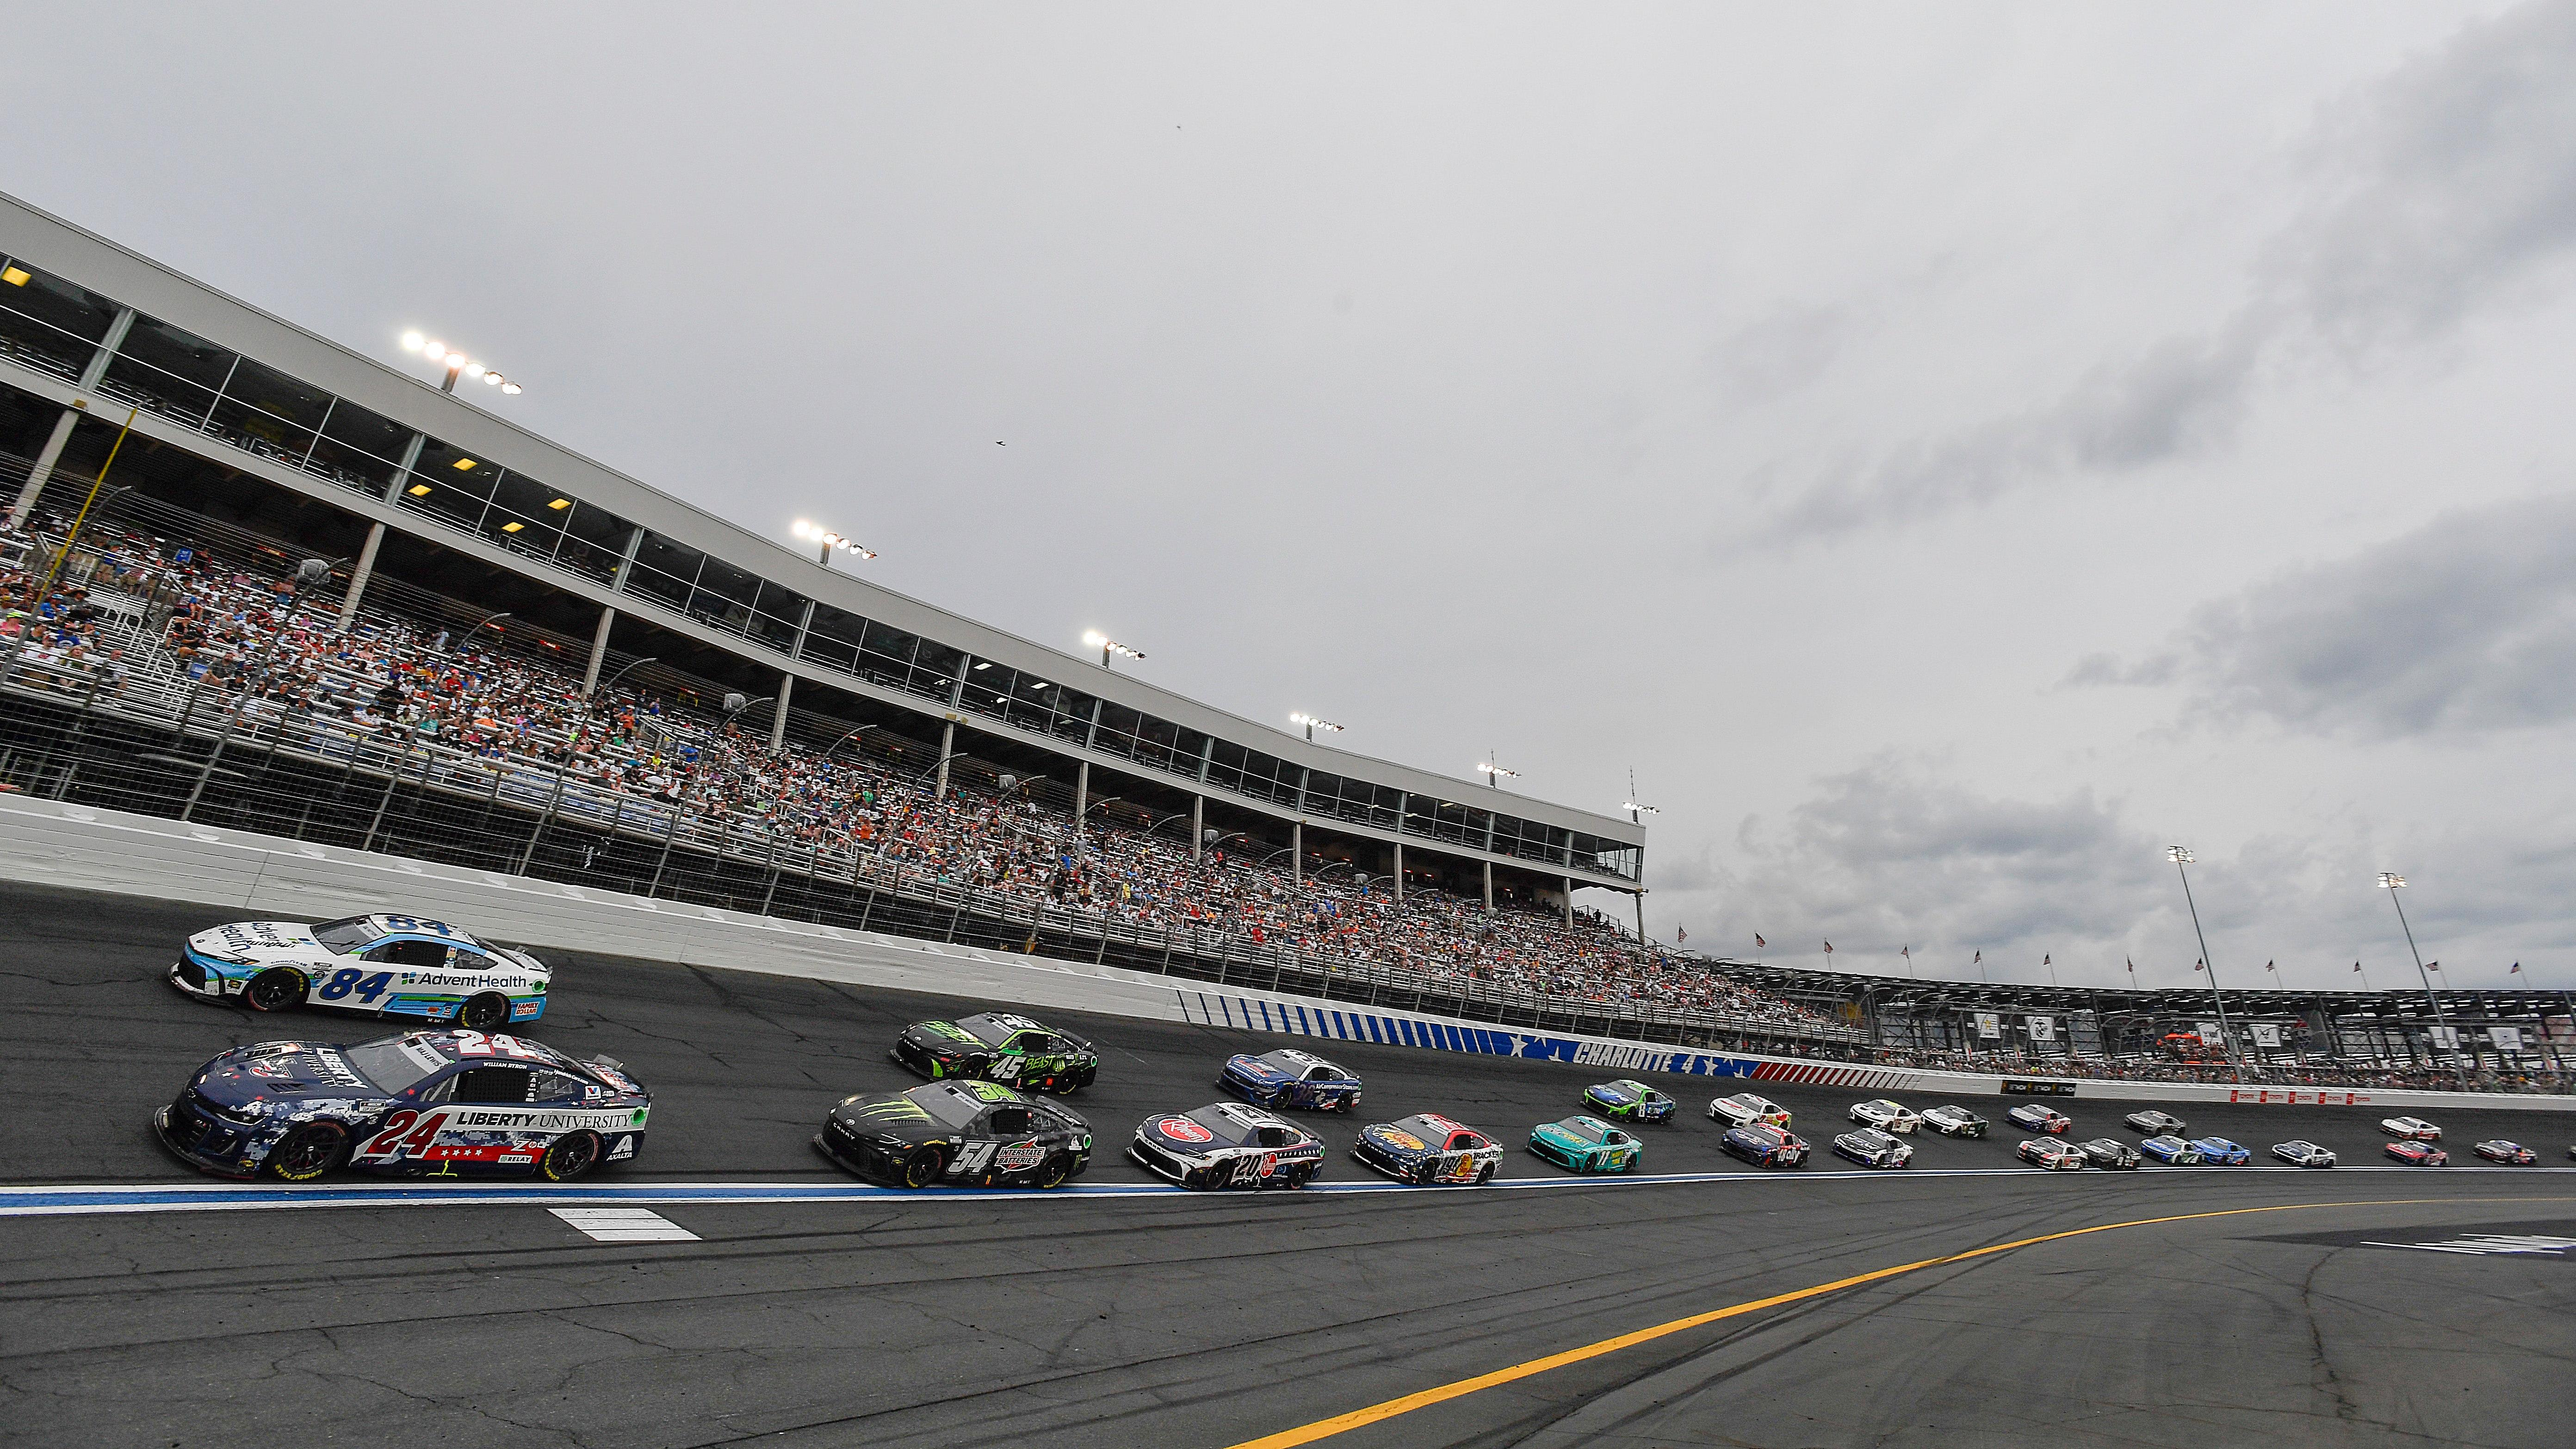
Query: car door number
406 1131
349 980
1007 1068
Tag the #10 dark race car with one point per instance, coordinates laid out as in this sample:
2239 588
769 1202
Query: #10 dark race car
2108 1152
2032 1117
1290 1078
2513 1154
1427 1149
452 1103
965 1134
996 1046
1764 1145
1227 1144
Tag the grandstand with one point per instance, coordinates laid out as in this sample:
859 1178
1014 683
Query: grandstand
323 599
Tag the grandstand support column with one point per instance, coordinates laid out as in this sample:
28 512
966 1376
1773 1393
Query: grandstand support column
1569 903
598 650
51 454
1641 918
778 723
366 569
1081 804
1296 853
1198 821
947 742
1489 885
1399 866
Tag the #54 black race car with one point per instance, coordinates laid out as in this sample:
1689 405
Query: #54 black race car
965 1134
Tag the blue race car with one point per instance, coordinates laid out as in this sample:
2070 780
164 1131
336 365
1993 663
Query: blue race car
1764 1145
1290 1078
1628 1101
2170 1150
2219 1149
443 1102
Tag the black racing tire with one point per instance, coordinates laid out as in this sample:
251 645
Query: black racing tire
307 1152
488 1011
1057 1168
923 1167
1426 1172
274 990
1485 1174
569 1156
974 1066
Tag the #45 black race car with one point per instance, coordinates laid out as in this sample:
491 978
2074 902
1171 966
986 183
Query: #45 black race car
445 1102
966 1134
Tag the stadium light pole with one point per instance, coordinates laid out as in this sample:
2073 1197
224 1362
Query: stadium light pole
1495 774
2391 882
1108 646
456 364
481 624
629 669
2182 857
1313 724
825 541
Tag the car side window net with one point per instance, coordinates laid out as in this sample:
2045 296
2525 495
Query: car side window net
492 1085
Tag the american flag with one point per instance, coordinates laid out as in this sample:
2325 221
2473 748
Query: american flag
1758 941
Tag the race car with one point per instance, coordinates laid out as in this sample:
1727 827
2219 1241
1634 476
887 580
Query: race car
1764 1145
1627 1101
1886 1115
1428 1149
965 1134
2220 1150
1872 1148
2171 1150
1745 1110
2156 1124
1227 1144
2109 1152
2051 1154
2032 1117
998 1047
2511 1153
2418 1154
383 965
450 1103
1290 1078
1951 1120
1586 1144
2303 1153
2411 1128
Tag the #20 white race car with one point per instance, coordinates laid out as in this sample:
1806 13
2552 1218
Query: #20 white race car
381 965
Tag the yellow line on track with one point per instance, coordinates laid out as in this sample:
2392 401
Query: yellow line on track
1375 1413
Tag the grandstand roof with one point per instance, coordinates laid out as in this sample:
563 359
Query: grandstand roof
1935 995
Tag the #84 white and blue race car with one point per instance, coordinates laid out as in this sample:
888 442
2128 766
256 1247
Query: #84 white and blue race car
382 965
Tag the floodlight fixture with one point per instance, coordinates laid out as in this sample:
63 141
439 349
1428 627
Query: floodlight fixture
1313 724
1108 646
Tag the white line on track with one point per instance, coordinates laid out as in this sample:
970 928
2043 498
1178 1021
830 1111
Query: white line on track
625 1225
82 1200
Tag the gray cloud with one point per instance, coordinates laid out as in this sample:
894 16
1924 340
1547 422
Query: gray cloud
2445 187
2465 624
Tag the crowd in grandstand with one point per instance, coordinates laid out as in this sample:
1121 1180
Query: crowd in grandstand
129 601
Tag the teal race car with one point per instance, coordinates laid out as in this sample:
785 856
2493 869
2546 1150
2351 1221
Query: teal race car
1586 1144
1627 1101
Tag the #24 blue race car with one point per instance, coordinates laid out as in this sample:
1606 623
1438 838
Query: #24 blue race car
383 965
1290 1078
2220 1150
426 1102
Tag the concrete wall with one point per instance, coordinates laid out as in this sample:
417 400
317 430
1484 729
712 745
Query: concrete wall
84 848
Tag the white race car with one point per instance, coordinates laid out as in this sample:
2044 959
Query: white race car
2157 1124
1886 1115
1744 1109
2413 1129
2303 1154
381 965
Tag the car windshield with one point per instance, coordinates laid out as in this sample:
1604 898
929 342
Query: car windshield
946 1105
395 1063
347 934
985 1029
1215 1119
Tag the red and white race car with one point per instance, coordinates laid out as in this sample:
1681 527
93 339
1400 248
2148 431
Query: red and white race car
2052 1154
2418 1154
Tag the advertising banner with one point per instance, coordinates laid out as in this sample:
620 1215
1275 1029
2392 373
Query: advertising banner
2447 1038
1990 1025
2267 1033
2208 1031
2042 1028
2506 1038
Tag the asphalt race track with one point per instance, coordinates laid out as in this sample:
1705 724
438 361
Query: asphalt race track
2356 1306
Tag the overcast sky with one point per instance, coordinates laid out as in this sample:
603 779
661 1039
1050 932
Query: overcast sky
1950 453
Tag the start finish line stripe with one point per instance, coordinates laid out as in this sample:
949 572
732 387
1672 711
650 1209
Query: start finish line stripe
79 1200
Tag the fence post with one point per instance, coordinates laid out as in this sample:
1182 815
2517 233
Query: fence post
393 777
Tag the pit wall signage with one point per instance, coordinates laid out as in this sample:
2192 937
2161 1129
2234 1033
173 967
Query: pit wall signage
2052 1087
